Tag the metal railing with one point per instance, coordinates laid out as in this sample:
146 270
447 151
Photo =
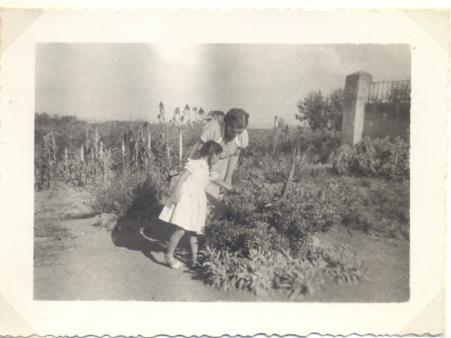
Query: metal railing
389 91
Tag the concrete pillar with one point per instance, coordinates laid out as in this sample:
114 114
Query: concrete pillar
355 97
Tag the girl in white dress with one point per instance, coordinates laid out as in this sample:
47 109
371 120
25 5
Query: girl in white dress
186 207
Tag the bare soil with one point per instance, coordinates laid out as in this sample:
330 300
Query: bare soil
82 256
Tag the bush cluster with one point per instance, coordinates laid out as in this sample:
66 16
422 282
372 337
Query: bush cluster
130 191
262 243
117 195
384 158
262 271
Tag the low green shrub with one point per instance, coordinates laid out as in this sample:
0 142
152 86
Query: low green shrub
341 264
116 195
311 207
234 237
262 243
262 271
385 158
130 191
274 171
323 144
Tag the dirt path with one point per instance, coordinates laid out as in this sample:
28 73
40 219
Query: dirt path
386 263
77 256
78 259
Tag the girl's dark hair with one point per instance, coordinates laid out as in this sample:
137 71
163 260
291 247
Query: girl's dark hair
237 118
208 150
216 114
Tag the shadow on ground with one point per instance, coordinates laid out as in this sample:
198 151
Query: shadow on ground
141 230
81 215
141 235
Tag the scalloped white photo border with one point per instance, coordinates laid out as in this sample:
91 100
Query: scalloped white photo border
429 40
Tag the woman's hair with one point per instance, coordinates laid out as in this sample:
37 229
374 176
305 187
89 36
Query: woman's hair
237 118
208 150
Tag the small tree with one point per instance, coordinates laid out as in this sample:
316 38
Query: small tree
322 112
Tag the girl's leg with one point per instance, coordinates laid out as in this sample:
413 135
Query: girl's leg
173 242
194 247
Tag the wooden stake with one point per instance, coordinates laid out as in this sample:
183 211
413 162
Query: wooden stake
287 185
168 150
65 159
54 147
96 140
181 147
168 154
275 135
87 136
106 169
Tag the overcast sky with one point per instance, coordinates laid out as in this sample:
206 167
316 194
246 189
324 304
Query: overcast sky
127 81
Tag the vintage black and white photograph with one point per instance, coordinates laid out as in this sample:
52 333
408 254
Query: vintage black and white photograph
222 172
211 172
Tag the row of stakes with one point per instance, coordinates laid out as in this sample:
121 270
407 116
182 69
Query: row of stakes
149 146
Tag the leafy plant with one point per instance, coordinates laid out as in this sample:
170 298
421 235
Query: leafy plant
263 244
312 207
263 271
138 192
385 158
117 195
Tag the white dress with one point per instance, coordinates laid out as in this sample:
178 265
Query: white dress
190 212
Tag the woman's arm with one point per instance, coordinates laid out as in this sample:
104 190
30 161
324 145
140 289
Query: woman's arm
232 163
226 153
222 184
231 166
